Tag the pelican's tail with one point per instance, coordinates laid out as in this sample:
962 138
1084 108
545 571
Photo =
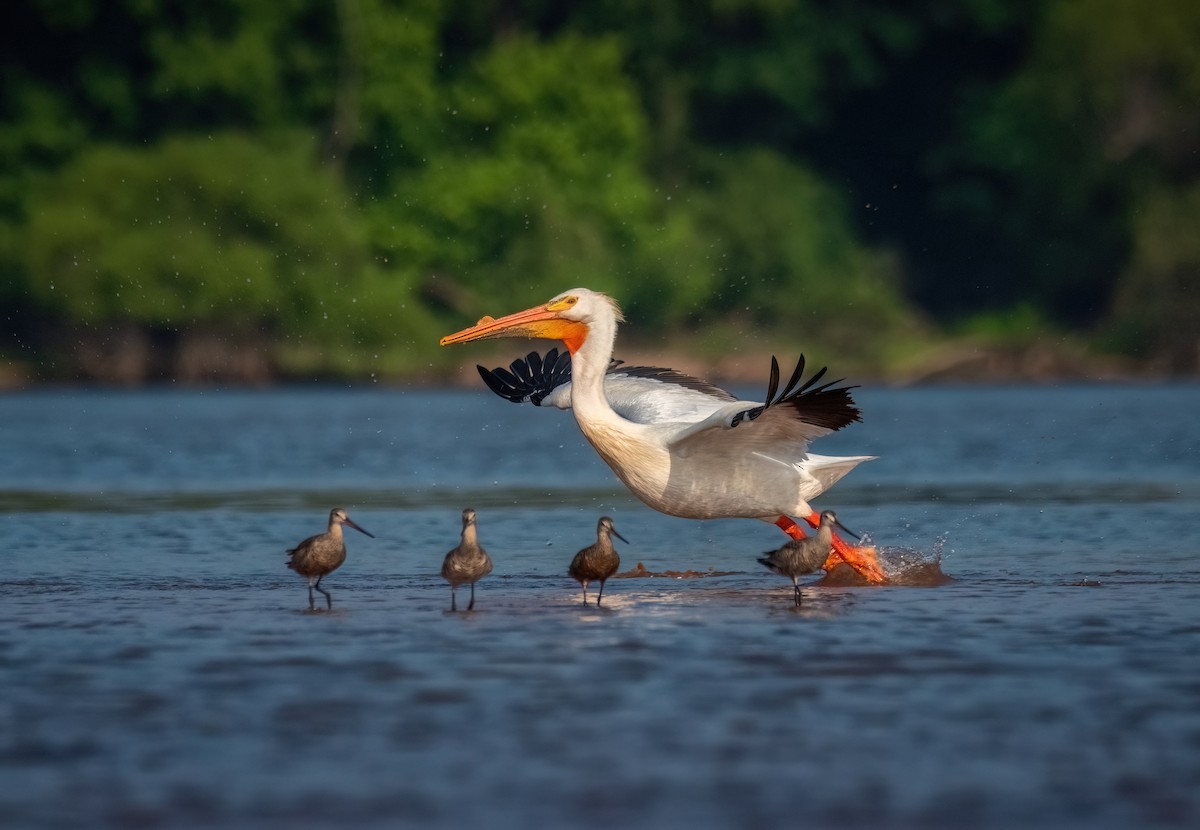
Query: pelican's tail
830 469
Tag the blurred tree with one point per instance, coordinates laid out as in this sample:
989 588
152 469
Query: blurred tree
227 232
1158 298
537 183
1097 131
781 253
371 166
708 227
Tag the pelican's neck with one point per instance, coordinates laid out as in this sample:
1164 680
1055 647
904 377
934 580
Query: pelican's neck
589 365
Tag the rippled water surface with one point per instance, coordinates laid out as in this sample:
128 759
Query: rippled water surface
160 668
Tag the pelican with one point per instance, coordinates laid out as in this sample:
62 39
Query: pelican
714 456
804 556
318 556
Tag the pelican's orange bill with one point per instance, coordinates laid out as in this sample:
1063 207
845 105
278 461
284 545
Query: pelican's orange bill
542 321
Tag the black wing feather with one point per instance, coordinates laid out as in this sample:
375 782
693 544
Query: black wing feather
531 378
520 368
773 384
828 406
535 363
796 375
500 385
556 370
813 380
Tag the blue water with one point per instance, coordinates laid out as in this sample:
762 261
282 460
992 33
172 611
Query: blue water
160 667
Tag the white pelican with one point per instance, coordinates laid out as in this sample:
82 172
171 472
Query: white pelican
711 456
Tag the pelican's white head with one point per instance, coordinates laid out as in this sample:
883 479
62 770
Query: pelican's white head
587 306
567 317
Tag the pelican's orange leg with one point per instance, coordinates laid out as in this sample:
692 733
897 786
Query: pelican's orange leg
790 528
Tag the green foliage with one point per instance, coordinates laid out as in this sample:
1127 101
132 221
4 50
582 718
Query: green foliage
227 231
725 73
1017 325
780 251
1098 127
537 186
348 178
1158 305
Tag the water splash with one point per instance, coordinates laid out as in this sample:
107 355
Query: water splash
910 567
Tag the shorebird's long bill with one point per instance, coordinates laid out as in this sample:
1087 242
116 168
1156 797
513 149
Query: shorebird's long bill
619 536
845 529
541 321
350 522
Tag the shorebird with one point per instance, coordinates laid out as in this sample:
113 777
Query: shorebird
320 555
466 563
804 556
598 561
685 449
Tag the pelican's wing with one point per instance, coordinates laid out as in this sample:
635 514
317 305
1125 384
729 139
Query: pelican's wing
651 395
797 415
642 394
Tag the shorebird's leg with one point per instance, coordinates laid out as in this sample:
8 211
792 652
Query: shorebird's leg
453 603
584 584
328 598
471 604
311 605
796 588
601 595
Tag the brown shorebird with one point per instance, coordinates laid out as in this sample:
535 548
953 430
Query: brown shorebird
319 555
598 561
805 556
466 563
